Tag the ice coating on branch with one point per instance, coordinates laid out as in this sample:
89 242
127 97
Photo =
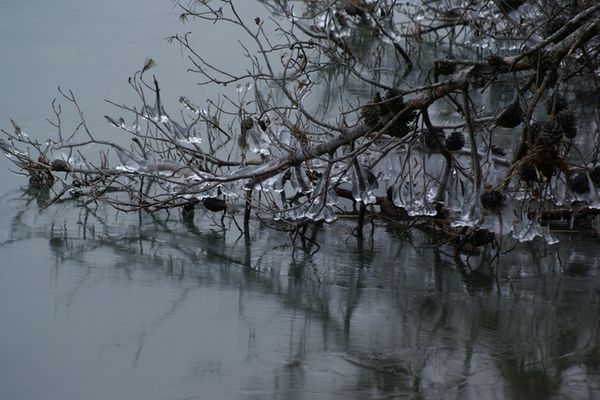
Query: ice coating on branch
10 149
191 140
254 170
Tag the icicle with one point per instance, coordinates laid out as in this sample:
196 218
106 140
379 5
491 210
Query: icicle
258 142
364 182
548 237
130 162
272 184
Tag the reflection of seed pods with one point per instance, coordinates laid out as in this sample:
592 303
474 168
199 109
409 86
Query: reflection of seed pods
214 204
480 237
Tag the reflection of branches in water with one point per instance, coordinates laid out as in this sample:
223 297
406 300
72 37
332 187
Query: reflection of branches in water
147 330
536 323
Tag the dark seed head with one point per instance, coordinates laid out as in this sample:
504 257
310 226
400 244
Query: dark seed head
555 23
246 124
555 104
371 115
393 101
60 165
432 139
445 67
578 183
595 175
373 112
568 122
455 141
492 200
511 116
550 134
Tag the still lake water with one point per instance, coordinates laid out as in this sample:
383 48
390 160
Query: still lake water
95 305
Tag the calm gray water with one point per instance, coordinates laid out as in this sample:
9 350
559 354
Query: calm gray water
95 305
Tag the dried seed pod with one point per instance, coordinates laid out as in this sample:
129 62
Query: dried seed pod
554 24
393 101
60 165
509 5
568 122
399 128
35 182
511 116
264 123
41 179
532 132
542 167
246 124
595 175
214 204
42 159
578 183
550 134
494 59
455 141
492 200
555 104
432 139
373 112
444 67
